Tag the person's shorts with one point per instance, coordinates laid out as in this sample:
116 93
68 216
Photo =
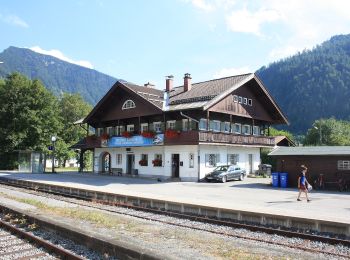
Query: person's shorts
303 187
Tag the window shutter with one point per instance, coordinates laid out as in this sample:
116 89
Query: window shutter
193 125
151 127
178 125
222 127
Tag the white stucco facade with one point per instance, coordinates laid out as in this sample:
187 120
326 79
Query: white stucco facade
193 159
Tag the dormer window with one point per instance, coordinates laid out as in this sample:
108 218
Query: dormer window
128 104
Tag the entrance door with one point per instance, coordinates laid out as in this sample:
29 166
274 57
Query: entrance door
250 164
175 165
130 163
106 163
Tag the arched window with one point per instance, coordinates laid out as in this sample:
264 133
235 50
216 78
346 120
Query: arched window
128 104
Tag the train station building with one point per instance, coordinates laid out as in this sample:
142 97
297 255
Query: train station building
181 132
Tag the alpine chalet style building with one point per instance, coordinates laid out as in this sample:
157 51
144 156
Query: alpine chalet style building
182 132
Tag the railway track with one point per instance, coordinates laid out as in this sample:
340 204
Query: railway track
18 244
201 223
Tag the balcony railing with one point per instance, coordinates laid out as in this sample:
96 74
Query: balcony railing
229 138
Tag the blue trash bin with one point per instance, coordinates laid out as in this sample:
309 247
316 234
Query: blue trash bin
284 179
275 179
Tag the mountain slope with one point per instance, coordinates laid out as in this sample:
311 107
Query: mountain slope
313 84
57 75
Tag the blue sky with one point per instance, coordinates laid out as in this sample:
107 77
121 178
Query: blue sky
143 41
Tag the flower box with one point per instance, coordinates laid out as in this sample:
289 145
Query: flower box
126 134
143 163
171 133
157 163
148 134
104 136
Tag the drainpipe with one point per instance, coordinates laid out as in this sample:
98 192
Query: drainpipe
188 117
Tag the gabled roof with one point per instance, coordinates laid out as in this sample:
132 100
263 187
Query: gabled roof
280 138
311 150
207 90
202 95
153 96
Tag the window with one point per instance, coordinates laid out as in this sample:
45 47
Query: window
144 127
128 104
236 128
211 160
203 125
235 98
171 124
226 127
240 99
250 102
157 127
110 131
246 129
144 160
343 165
245 101
130 128
119 158
119 130
158 161
256 130
215 126
232 159
100 131
191 160
185 124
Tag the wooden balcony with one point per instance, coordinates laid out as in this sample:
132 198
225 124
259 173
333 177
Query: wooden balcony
194 137
228 138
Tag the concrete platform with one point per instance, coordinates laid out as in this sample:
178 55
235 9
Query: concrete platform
251 195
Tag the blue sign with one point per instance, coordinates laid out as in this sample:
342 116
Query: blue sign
137 140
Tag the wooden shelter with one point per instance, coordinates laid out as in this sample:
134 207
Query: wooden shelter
333 162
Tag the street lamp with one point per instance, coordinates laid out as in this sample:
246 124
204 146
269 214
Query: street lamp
53 140
319 128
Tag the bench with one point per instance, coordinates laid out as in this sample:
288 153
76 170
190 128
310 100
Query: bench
117 171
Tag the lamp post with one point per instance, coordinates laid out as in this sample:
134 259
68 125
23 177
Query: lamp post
319 128
53 140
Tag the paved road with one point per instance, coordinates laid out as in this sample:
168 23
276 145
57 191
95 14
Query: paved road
255 195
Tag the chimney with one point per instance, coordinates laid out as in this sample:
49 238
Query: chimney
187 82
148 85
169 83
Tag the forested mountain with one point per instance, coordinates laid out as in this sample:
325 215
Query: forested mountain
57 75
313 84
310 85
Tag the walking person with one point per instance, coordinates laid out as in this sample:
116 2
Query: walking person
303 183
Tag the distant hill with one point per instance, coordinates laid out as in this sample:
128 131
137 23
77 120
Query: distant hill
57 75
313 84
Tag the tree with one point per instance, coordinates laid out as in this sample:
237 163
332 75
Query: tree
72 108
28 116
328 132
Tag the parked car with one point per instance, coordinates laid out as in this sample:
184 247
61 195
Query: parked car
226 172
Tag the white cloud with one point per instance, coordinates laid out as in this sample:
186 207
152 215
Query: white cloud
225 72
202 5
58 54
14 20
250 22
308 23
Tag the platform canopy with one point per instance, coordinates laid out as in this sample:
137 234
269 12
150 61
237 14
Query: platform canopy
311 150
